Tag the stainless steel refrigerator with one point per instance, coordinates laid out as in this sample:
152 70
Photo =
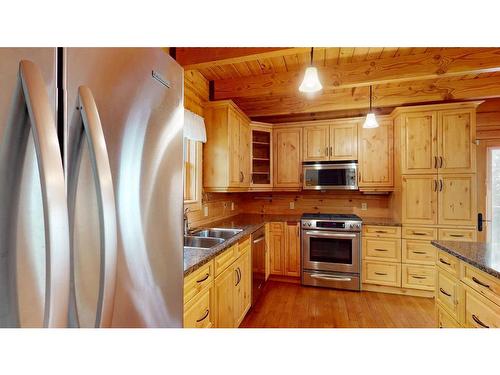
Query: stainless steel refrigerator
90 188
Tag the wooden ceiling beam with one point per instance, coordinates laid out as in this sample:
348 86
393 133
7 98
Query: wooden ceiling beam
446 63
384 96
206 57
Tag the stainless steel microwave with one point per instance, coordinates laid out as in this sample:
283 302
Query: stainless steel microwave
330 176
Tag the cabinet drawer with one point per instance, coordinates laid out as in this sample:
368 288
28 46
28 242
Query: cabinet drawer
479 311
449 293
198 280
381 231
481 282
418 277
224 260
445 320
382 273
243 247
446 234
448 262
383 249
420 233
276 227
418 252
197 312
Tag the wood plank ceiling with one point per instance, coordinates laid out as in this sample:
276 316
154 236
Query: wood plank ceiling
263 82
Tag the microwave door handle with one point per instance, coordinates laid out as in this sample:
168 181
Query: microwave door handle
317 233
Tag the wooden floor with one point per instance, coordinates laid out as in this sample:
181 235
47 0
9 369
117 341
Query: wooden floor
286 305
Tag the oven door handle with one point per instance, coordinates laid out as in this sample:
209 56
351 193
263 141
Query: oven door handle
330 277
318 233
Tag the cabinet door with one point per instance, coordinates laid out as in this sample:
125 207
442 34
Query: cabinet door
224 298
419 143
419 199
277 248
292 249
243 287
234 147
244 152
375 155
457 199
198 312
344 141
316 146
287 158
456 132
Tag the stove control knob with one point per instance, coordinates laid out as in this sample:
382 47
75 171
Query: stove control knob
309 224
352 226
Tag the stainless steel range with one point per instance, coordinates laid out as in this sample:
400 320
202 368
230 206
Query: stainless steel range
331 250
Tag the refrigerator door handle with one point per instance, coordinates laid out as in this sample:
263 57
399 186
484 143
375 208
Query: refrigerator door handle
92 131
53 193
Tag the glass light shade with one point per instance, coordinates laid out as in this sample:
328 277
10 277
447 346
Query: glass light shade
371 121
311 81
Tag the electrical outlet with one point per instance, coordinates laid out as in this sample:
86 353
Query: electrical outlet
205 211
292 205
364 206
225 205
232 206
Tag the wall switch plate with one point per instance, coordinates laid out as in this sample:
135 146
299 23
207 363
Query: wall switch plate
292 205
364 206
205 211
232 206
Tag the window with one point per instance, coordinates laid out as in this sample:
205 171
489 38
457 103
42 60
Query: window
192 174
494 194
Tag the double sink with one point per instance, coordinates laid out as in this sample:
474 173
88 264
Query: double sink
206 239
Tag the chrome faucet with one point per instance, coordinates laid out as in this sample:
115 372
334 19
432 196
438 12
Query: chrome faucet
186 222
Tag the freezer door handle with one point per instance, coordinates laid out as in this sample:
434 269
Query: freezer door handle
93 134
54 204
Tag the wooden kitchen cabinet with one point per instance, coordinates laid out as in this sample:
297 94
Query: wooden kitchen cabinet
199 298
420 199
262 157
287 163
333 140
292 250
284 248
376 156
316 143
457 200
226 154
225 298
243 287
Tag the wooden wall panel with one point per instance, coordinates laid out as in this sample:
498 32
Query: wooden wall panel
196 91
335 202
488 120
219 207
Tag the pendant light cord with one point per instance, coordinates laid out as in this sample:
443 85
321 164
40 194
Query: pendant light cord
370 98
312 49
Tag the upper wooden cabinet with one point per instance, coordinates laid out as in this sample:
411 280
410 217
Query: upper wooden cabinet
440 140
287 158
226 154
334 140
375 156
261 157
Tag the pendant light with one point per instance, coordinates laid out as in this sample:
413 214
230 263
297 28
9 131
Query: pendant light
311 82
371 121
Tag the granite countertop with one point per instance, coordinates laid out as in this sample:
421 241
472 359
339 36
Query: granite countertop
381 221
485 256
195 258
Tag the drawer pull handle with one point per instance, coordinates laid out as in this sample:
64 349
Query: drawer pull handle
456 235
202 280
380 274
444 292
419 277
204 316
419 252
380 231
444 262
380 249
419 234
478 321
480 282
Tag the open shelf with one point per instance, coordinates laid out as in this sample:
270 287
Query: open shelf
261 157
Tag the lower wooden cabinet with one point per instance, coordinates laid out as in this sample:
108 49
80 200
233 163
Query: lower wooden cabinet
284 248
462 303
219 294
381 273
416 276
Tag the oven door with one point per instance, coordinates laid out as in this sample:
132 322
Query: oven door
330 251
330 176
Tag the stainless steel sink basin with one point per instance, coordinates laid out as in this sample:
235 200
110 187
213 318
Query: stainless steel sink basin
201 242
218 233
